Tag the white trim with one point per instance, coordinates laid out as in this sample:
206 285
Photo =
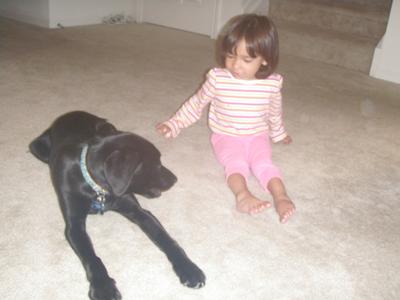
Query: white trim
139 11
386 64
216 19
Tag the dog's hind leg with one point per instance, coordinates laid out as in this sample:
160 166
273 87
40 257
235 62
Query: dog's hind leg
189 274
102 286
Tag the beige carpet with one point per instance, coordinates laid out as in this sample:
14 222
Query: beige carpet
342 170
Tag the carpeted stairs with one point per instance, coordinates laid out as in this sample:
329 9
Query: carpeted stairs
341 32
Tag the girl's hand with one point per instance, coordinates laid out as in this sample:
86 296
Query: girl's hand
164 130
287 140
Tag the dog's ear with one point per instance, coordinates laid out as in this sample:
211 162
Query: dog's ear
104 129
41 146
119 168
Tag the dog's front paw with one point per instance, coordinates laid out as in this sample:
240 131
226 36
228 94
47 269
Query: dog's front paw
190 275
105 290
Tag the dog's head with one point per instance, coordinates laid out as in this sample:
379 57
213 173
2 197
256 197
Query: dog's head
132 165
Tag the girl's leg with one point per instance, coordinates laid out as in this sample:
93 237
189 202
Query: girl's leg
269 176
245 201
283 205
231 152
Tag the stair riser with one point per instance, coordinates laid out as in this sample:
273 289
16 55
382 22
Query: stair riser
327 18
377 3
354 57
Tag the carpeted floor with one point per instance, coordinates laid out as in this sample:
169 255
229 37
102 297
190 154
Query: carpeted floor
342 170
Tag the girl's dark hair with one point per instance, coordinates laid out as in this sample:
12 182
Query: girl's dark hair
261 39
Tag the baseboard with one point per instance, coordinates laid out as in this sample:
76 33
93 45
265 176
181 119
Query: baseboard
71 21
42 22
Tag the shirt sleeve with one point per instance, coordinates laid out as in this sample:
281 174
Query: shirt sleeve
277 131
190 112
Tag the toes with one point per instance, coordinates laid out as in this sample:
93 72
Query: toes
285 217
252 206
190 275
259 207
197 285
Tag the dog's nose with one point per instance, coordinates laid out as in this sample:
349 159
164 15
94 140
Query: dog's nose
174 179
170 181
169 178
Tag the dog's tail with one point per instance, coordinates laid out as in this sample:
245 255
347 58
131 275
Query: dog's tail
41 146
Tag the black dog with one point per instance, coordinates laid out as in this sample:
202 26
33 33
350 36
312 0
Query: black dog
95 168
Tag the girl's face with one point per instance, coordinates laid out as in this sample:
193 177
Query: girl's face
241 64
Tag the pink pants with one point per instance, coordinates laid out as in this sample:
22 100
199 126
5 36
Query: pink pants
244 154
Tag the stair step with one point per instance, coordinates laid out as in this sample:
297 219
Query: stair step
368 19
341 49
386 4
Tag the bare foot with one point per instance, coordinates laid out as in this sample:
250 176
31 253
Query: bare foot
247 203
285 208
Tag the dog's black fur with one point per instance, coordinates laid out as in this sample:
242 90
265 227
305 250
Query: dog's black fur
124 164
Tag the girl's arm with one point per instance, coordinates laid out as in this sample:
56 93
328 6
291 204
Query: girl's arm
275 120
190 112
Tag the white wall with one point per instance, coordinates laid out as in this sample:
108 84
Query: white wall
49 13
190 15
386 61
227 9
29 11
85 12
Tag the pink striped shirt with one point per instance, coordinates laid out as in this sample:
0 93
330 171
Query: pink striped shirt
237 107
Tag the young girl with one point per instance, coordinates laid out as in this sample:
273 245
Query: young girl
245 111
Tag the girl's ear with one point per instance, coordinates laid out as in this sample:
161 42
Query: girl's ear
264 63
